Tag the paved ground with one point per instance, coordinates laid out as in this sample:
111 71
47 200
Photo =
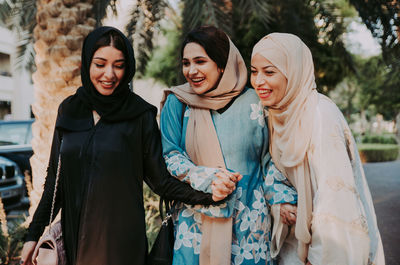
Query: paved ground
384 182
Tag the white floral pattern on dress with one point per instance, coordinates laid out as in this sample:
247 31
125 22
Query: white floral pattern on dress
242 252
257 113
248 206
183 237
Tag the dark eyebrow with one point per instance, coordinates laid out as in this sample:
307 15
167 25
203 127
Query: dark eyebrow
195 58
265 67
117 61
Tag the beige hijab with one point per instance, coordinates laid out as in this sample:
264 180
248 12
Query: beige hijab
202 146
290 122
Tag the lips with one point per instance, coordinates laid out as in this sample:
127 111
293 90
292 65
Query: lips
107 84
264 93
197 81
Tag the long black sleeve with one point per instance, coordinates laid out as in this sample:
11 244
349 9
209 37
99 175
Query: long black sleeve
42 214
156 173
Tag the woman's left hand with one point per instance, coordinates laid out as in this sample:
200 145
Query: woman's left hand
225 184
288 213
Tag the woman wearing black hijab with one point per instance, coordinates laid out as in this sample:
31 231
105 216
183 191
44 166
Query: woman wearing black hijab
109 143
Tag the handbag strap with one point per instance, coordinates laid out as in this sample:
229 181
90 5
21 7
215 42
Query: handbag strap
55 186
169 209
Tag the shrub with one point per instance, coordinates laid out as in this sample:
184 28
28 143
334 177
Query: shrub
378 152
153 220
379 139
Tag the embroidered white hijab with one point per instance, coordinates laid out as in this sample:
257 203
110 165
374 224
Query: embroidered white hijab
291 121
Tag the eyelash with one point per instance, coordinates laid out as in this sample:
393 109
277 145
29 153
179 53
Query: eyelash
117 66
186 64
266 72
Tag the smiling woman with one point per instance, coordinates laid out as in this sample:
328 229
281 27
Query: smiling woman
267 80
106 142
107 69
199 69
312 145
213 135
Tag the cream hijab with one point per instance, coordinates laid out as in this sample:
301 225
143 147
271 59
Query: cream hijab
290 121
202 146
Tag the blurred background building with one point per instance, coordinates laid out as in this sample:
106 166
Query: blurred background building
16 89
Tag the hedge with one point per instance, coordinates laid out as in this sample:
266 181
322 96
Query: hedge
379 139
378 152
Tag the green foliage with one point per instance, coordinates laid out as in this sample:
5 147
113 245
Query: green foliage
382 18
246 22
152 215
144 23
379 139
210 12
378 152
164 64
20 17
11 245
379 86
100 9
320 24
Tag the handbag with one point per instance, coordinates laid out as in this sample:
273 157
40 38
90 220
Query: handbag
162 251
50 248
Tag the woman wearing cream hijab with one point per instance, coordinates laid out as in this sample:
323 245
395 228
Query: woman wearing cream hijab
213 125
312 145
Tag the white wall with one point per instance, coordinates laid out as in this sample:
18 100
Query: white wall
18 88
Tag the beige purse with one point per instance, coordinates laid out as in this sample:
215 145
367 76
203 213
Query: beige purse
50 248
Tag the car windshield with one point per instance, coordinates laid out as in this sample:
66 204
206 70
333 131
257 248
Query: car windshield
15 134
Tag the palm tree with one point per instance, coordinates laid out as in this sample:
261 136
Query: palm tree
143 26
59 33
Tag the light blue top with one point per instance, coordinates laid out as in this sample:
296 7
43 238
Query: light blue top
243 137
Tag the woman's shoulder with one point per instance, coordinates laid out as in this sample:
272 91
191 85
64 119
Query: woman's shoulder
330 114
173 98
172 102
248 95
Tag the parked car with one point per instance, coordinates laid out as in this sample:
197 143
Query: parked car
15 142
12 184
15 152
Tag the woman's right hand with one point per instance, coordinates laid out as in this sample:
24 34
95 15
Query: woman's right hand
225 184
288 213
27 252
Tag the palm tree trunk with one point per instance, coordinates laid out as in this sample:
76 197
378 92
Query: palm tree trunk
61 27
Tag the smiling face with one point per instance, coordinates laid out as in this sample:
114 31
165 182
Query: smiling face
201 72
107 69
269 83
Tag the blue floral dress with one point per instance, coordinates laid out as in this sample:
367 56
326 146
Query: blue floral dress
243 137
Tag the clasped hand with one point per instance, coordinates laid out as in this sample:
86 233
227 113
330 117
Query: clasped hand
288 213
225 184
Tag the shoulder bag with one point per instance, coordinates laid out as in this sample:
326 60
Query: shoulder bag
50 248
162 251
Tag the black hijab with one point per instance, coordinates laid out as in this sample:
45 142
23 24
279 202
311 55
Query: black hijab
75 113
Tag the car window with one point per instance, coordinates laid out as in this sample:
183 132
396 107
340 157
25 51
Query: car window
13 134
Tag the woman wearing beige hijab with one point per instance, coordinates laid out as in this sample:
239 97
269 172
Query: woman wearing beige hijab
312 145
214 126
